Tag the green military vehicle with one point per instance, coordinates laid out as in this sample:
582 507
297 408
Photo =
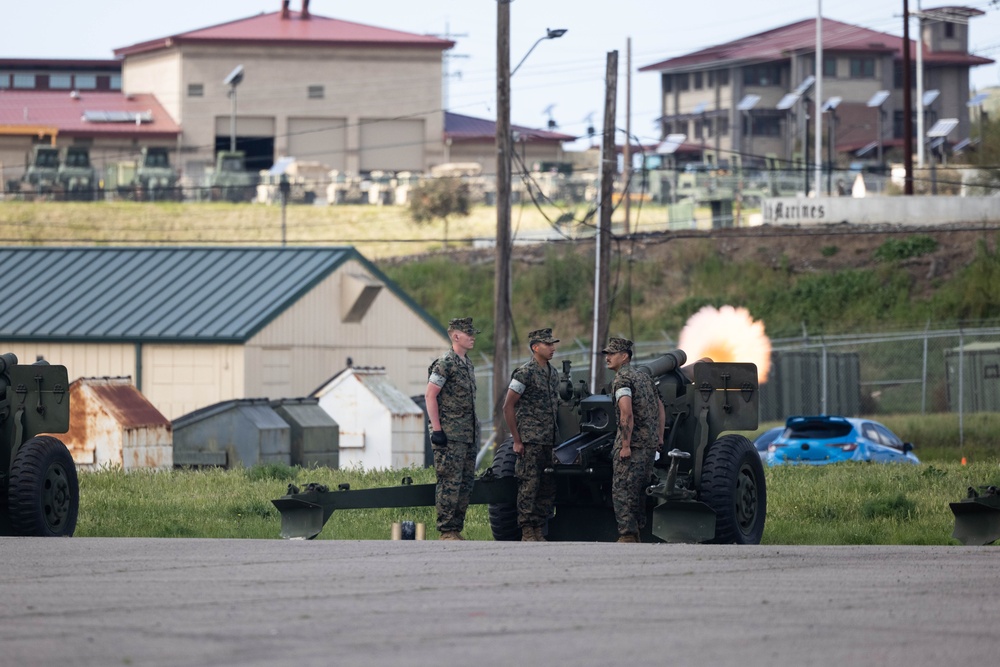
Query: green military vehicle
231 181
39 492
76 176
42 175
155 179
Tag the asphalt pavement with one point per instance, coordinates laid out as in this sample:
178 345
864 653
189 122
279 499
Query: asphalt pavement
178 602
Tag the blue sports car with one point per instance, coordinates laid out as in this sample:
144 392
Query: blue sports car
816 440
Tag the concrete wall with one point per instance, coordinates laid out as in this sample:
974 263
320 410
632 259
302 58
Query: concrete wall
878 210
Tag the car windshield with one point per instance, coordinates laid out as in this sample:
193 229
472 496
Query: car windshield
817 429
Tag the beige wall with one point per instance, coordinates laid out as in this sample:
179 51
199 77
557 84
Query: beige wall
374 84
318 342
80 359
178 379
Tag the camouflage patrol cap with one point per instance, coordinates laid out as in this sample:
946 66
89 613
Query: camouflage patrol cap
617 345
541 336
463 324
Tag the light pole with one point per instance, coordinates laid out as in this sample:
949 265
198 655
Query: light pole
830 106
502 279
234 79
549 34
876 102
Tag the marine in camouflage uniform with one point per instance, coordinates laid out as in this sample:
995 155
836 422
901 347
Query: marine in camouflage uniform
451 408
639 436
530 409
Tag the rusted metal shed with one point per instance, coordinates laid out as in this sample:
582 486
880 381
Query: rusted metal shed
240 432
380 426
112 424
315 435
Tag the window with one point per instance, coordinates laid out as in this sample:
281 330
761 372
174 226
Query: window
762 75
316 92
698 84
86 82
862 68
667 83
4 80
60 81
196 90
682 82
115 82
723 126
830 67
722 77
766 123
24 80
949 30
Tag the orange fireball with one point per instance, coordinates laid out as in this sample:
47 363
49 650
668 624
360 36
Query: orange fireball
727 334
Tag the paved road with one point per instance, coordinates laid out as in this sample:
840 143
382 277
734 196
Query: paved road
232 602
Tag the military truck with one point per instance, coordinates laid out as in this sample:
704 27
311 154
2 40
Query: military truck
76 177
39 492
706 486
42 174
231 181
155 179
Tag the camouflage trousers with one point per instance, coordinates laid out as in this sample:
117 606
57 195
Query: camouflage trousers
455 465
536 493
628 485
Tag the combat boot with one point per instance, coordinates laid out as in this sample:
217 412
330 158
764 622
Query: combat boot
539 536
628 538
450 535
528 534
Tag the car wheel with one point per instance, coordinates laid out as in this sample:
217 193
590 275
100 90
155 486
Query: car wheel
732 484
44 495
503 516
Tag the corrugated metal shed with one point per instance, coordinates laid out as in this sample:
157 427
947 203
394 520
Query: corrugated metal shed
242 432
112 423
315 436
164 294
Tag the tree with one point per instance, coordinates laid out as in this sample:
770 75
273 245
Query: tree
439 198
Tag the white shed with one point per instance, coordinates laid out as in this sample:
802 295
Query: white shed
380 426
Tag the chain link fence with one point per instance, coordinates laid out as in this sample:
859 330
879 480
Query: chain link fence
870 374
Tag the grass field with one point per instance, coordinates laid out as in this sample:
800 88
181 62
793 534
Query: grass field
837 504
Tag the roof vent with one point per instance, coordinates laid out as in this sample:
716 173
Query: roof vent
305 10
284 9
75 94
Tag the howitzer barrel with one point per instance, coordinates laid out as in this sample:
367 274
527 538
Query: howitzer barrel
665 364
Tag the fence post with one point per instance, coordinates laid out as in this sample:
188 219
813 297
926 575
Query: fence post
825 380
961 388
923 377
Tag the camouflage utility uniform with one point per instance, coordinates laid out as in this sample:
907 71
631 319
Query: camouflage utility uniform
631 475
455 462
536 412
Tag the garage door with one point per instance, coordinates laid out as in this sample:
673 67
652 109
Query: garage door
392 145
318 140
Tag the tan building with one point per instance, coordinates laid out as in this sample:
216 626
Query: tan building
702 91
196 326
354 97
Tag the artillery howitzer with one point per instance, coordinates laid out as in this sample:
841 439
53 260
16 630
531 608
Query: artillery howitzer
705 488
977 516
40 495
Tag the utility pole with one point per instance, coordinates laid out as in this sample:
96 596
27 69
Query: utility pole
818 139
907 104
627 154
502 286
609 165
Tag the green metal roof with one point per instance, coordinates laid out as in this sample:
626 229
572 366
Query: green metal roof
163 294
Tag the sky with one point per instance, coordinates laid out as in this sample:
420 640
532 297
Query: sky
561 79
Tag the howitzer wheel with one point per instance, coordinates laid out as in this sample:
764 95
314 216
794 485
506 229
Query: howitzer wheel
732 484
503 516
44 495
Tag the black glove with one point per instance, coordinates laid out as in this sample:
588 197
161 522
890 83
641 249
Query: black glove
439 438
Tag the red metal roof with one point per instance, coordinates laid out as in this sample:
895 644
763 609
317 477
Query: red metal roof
458 127
779 43
60 110
273 30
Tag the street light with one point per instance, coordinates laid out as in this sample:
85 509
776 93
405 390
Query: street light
746 106
549 34
830 106
234 79
876 102
503 284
